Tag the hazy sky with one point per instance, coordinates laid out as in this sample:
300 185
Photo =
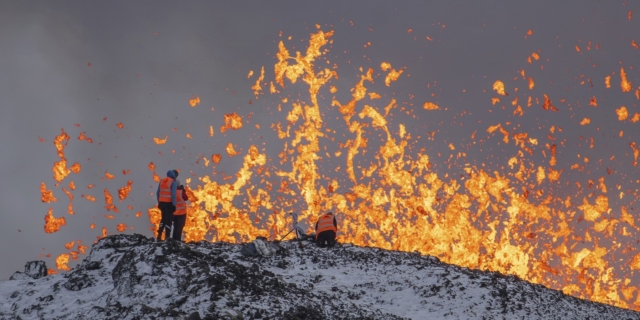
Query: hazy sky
138 63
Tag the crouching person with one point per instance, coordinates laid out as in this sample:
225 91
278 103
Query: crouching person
326 229
180 215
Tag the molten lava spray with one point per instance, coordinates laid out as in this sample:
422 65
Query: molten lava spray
517 218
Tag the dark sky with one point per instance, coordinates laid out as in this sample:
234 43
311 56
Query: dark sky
139 63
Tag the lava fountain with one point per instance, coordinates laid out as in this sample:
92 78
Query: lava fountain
518 217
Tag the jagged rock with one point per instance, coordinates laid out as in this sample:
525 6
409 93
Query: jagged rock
32 270
19 276
134 277
36 269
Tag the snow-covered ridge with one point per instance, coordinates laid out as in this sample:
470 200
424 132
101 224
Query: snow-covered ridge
133 277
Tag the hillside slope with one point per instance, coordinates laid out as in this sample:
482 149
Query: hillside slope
133 277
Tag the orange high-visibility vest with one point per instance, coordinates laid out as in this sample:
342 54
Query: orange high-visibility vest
325 223
165 190
181 205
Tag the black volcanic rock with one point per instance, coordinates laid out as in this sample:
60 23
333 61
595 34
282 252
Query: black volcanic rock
134 277
33 269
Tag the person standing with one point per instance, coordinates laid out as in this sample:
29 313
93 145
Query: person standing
180 215
166 196
326 229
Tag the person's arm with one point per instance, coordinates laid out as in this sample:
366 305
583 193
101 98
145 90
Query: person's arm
158 193
317 225
335 223
184 195
174 189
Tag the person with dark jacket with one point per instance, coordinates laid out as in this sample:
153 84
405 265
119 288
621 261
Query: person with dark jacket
180 215
326 229
166 196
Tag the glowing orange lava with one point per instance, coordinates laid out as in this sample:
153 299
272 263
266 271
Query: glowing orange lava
51 223
519 217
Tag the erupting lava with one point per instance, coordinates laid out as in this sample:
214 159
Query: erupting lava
518 217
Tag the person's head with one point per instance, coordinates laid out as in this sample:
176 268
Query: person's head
329 213
173 174
180 187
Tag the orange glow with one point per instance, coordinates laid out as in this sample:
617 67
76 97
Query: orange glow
230 150
152 167
108 199
430 106
393 75
211 132
160 140
607 82
624 84
622 113
60 142
547 104
256 87
47 195
60 170
119 125
498 86
193 102
70 206
531 83
90 198
231 121
585 121
69 245
61 262
123 192
75 168
108 175
121 227
51 223
593 102
216 158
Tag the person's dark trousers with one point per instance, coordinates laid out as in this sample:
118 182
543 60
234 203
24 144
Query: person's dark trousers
326 238
178 225
167 209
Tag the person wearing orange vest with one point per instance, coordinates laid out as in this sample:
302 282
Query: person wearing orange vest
326 229
180 215
166 196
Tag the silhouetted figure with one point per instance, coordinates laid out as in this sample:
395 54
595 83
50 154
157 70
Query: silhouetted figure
166 196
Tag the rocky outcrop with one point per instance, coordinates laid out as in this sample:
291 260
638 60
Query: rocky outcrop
134 277
32 270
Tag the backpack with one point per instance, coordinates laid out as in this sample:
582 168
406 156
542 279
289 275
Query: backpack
249 250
